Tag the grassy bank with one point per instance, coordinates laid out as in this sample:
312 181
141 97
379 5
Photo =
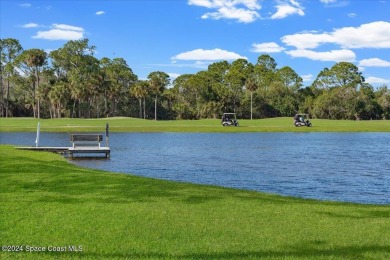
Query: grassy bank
46 201
205 125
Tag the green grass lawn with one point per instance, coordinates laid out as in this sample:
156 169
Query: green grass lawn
204 125
47 201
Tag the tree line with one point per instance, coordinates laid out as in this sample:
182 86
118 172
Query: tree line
71 82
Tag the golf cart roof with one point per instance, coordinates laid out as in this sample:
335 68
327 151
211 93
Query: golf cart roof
229 113
304 115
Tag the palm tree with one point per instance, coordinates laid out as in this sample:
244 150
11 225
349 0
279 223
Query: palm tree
140 91
34 60
9 50
251 85
157 82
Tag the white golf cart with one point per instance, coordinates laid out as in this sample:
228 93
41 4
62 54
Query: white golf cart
302 120
229 119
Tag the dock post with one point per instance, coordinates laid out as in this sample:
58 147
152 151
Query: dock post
107 134
37 138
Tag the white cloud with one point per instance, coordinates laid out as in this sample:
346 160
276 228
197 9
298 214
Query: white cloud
202 55
375 80
335 3
307 77
267 47
352 15
328 1
204 3
61 32
371 35
30 25
374 62
249 4
67 27
173 75
242 15
56 34
333 55
196 64
306 40
244 11
285 9
100 12
25 5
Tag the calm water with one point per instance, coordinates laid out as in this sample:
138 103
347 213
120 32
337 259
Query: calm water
353 167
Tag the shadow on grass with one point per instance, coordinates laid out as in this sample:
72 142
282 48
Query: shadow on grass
361 214
308 251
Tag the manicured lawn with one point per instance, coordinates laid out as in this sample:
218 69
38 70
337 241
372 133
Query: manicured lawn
47 201
204 125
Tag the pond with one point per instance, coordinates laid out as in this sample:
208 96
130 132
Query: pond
350 167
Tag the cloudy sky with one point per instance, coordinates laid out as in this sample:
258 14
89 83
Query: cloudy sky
185 36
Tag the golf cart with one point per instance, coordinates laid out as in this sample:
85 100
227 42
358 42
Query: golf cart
229 119
302 120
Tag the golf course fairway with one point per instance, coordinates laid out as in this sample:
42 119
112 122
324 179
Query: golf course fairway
125 124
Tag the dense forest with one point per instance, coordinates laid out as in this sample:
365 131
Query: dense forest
71 82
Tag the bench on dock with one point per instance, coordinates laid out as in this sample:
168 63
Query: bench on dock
87 143
86 140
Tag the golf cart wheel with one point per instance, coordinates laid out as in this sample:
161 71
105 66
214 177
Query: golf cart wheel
224 124
236 124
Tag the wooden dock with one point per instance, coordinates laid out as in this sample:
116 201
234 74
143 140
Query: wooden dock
89 150
71 151
84 144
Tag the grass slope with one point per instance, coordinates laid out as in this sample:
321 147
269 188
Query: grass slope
204 125
46 201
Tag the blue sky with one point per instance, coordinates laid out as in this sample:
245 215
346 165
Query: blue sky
185 36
